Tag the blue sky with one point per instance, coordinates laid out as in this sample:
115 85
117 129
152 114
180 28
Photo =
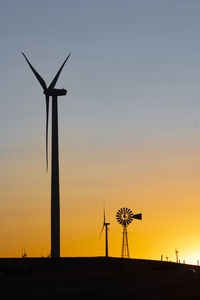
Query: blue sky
134 65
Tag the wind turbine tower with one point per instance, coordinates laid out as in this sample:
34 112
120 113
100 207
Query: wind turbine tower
176 252
105 224
55 192
125 216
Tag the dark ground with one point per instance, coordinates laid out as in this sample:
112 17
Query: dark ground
97 278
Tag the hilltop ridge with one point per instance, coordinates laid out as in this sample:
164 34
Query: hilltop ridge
97 277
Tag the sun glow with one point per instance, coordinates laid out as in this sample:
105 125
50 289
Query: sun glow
192 258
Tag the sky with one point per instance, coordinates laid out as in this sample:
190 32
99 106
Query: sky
129 127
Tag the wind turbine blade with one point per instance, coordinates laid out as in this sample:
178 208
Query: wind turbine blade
39 78
101 231
53 83
47 125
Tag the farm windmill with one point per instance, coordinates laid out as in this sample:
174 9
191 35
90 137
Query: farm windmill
125 216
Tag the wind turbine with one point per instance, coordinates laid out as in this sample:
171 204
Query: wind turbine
55 194
106 233
177 252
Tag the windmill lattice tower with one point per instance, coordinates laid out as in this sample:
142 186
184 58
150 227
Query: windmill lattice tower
125 216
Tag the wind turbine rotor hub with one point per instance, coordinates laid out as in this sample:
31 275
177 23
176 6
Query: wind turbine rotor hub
124 216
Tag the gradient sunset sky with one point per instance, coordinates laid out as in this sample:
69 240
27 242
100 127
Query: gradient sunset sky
129 126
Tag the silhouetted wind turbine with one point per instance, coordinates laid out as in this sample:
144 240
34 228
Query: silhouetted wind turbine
55 194
106 232
176 252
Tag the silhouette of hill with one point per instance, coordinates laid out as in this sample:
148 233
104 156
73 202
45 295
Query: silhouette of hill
97 278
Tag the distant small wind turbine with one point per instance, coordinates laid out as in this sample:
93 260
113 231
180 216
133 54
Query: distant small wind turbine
177 252
24 254
105 224
55 194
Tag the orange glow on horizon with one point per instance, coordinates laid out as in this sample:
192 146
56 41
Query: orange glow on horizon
162 183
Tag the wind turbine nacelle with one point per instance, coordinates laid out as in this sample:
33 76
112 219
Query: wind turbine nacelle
56 92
